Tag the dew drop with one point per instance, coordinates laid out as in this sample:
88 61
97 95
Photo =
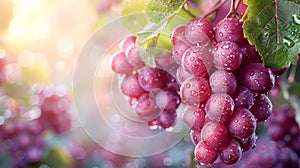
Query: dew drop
226 46
296 19
266 34
288 42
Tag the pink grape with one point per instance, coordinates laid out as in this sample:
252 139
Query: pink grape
197 60
215 135
151 78
195 90
167 100
182 74
219 107
133 57
223 82
130 86
229 29
178 35
194 117
204 154
128 41
146 107
178 51
231 153
227 56
120 65
199 31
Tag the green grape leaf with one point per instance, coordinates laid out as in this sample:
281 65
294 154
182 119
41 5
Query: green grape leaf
274 28
132 14
148 18
161 10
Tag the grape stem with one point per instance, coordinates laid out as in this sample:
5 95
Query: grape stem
292 74
216 6
187 10
153 50
233 8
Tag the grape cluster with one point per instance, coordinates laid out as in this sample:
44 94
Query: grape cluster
222 108
151 91
55 106
284 129
23 130
267 154
282 147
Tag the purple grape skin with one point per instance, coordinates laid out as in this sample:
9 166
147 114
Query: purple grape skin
242 124
167 100
199 31
204 154
195 90
229 29
194 117
197 60
282 124
151 78
171 83
223 82
262 108
256 77
288 157
227 56
167 119
248 143
146 108
219 107
249 54
276 132
178 51
243 97
232 153
130 86
215 135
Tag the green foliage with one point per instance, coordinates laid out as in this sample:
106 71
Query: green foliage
159 11
274 28
148 19
57 158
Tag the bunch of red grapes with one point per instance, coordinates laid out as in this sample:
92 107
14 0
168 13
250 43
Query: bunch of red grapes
23 130
280 149
220 80
222 108
151 91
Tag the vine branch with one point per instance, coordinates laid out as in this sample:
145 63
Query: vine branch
216 6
